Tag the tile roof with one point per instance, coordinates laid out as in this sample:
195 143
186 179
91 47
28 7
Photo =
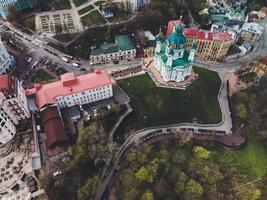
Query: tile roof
53 127
69 84
5 82
206 35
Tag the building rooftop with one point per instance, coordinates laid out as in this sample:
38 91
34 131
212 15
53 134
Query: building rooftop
252 27
206 35
5 81
68 84
53 127
122 43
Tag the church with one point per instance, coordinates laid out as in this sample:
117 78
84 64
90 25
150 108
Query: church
172 60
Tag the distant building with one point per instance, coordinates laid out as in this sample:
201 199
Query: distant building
149 45
219 14
71 90
251 32
122 48
223 27
210 46
134 5
7 61
106 11
13 106
146 43
20 4
172 60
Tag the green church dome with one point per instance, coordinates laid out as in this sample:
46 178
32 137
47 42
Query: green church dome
177 37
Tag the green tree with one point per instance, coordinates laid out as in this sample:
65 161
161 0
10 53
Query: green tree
241 111
14 15
193 190
87 189
143 175
201 152
148 195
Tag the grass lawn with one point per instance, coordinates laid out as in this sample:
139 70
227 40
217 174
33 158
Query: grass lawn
79 2
86 9
155 106
92 18
41 76
251 157
30 22
62 4
98 3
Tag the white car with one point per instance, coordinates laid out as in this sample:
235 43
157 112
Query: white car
65 59
75 65
29 59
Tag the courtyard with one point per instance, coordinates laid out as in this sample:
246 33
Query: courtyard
154 106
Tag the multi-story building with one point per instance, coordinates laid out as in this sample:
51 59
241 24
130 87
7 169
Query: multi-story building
172 60
7 128
20 4
133 5
73 90
7 62
13 99
13 107
210 46
122 48
251 32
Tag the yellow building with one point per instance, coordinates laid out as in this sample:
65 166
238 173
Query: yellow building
211 46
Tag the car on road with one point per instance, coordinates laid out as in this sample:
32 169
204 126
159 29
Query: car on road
75 64
65 59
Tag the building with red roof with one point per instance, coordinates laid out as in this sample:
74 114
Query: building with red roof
73 90
53 127
212 46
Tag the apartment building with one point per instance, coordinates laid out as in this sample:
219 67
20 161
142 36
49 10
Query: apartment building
7 61
13 107
210 46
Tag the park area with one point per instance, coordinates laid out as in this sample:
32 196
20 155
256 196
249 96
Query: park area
154 106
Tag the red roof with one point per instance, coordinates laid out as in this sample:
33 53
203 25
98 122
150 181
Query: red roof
5 82
206 35
69 84
53 127
263 60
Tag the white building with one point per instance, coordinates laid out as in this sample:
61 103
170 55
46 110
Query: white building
134 5
6 61
7 128
71 90
13 107
251 32
13 99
